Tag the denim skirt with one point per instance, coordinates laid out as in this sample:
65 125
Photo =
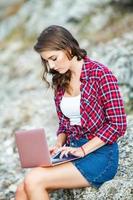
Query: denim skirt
100 165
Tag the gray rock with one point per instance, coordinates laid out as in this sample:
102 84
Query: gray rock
26 103
125 2
40 12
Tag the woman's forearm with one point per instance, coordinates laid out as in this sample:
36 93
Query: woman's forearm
92 145
61 138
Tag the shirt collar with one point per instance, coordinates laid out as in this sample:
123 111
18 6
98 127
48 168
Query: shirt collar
85 69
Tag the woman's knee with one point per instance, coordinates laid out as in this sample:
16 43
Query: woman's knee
35 179
20 189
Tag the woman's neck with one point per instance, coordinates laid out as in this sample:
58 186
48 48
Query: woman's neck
76 67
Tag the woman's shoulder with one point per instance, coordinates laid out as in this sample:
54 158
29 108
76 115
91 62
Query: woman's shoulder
95 69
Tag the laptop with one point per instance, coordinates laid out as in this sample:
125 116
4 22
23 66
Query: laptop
34 151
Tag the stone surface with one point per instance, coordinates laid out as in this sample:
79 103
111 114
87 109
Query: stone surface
25 101
125 2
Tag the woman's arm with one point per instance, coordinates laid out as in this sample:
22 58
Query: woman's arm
61 138
115 124
61 129
87 148
92 145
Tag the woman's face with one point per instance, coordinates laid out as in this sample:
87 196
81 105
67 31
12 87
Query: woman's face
57 60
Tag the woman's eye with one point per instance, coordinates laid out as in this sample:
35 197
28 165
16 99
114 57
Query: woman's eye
54 59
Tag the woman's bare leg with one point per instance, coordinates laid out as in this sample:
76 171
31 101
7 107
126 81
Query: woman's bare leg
20 193
40 180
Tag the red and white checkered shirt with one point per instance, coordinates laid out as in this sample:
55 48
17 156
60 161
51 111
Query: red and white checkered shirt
101 106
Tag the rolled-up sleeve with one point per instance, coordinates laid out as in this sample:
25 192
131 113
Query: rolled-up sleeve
113 106
61 118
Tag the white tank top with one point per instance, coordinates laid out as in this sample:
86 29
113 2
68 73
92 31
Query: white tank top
70 107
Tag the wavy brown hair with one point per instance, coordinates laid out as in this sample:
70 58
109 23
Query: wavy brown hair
58 38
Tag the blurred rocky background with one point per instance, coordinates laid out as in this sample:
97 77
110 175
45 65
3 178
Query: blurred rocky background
105 29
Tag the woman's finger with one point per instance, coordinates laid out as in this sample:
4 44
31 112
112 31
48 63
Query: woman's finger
72 150
53 150
64 153
66 150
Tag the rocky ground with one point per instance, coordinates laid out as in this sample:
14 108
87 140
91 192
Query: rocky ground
104 28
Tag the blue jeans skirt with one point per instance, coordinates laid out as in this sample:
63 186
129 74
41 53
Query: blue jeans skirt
99 166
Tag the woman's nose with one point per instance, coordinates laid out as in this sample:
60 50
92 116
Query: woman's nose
51 64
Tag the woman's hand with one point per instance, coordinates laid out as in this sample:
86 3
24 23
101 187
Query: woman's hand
54 149
76 151
61 139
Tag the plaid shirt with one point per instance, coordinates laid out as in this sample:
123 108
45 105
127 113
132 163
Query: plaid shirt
101 106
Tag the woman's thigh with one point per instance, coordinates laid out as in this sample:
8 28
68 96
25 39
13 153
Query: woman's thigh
60 176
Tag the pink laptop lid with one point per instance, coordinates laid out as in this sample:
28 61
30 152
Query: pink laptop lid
32 147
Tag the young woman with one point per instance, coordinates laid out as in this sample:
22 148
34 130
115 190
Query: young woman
91 117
